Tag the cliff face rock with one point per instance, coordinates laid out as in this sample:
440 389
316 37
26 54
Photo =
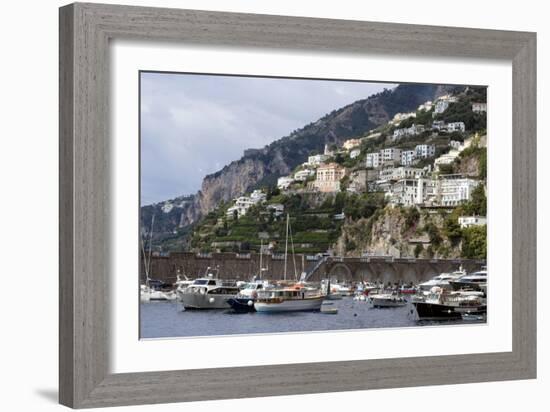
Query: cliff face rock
263 166
234 179
392 232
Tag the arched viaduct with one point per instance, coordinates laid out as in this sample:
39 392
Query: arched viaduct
245 266
392 270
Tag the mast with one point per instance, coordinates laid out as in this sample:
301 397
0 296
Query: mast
145 265
286 243
261 254
293 254
150 246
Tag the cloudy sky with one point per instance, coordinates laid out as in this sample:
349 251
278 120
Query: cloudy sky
193 125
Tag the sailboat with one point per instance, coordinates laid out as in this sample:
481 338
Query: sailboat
244 301
290 297
152 290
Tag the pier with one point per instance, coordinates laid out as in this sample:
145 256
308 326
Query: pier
242 266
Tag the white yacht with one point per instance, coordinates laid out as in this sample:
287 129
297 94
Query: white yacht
473 281
208 293
442 280
148 294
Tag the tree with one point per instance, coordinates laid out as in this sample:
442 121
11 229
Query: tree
433 233
483 164
446 169
474 245
451 228
412 216
478 202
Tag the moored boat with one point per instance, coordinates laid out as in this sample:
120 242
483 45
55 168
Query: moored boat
441 304
293 298
244 300
474 281
329 308
208 293
387 300
442 280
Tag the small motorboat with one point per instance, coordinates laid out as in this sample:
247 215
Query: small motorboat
329 308
244 300
387 300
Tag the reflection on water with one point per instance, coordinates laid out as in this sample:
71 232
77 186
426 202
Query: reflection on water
168 319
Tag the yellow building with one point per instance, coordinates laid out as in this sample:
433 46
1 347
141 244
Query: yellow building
327 177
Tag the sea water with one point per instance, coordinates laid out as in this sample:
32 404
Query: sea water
169 319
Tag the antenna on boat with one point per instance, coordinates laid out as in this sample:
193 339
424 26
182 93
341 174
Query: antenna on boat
286 243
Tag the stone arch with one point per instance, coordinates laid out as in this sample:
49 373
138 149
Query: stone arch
340 272
364 273
408 274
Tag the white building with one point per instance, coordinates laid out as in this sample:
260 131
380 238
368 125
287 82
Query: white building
399 133
354 153
438 124
399 117
479 107
408 157
425 150
303 175
284 182
257 196
456 127
441 106
467 221
427 106
455 144
443 103
455 189
390 155
316 160
409 131
398 173
411 192
446 159
328 151
243 203
373 160
278 209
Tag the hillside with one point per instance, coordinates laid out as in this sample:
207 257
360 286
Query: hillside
315 223
261 167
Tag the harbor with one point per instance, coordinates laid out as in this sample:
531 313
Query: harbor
328 228
209 306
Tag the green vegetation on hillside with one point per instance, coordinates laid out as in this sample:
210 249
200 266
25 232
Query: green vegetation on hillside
313 220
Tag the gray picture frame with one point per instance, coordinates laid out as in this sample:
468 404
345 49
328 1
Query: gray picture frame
85 32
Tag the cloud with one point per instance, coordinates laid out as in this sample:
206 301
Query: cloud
193 125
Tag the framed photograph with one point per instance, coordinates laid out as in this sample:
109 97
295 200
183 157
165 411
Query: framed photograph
256 205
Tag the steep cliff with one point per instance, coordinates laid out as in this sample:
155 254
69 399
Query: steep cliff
399 232
263 166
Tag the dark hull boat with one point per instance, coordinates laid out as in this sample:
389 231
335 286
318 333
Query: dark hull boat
427 310
241 305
